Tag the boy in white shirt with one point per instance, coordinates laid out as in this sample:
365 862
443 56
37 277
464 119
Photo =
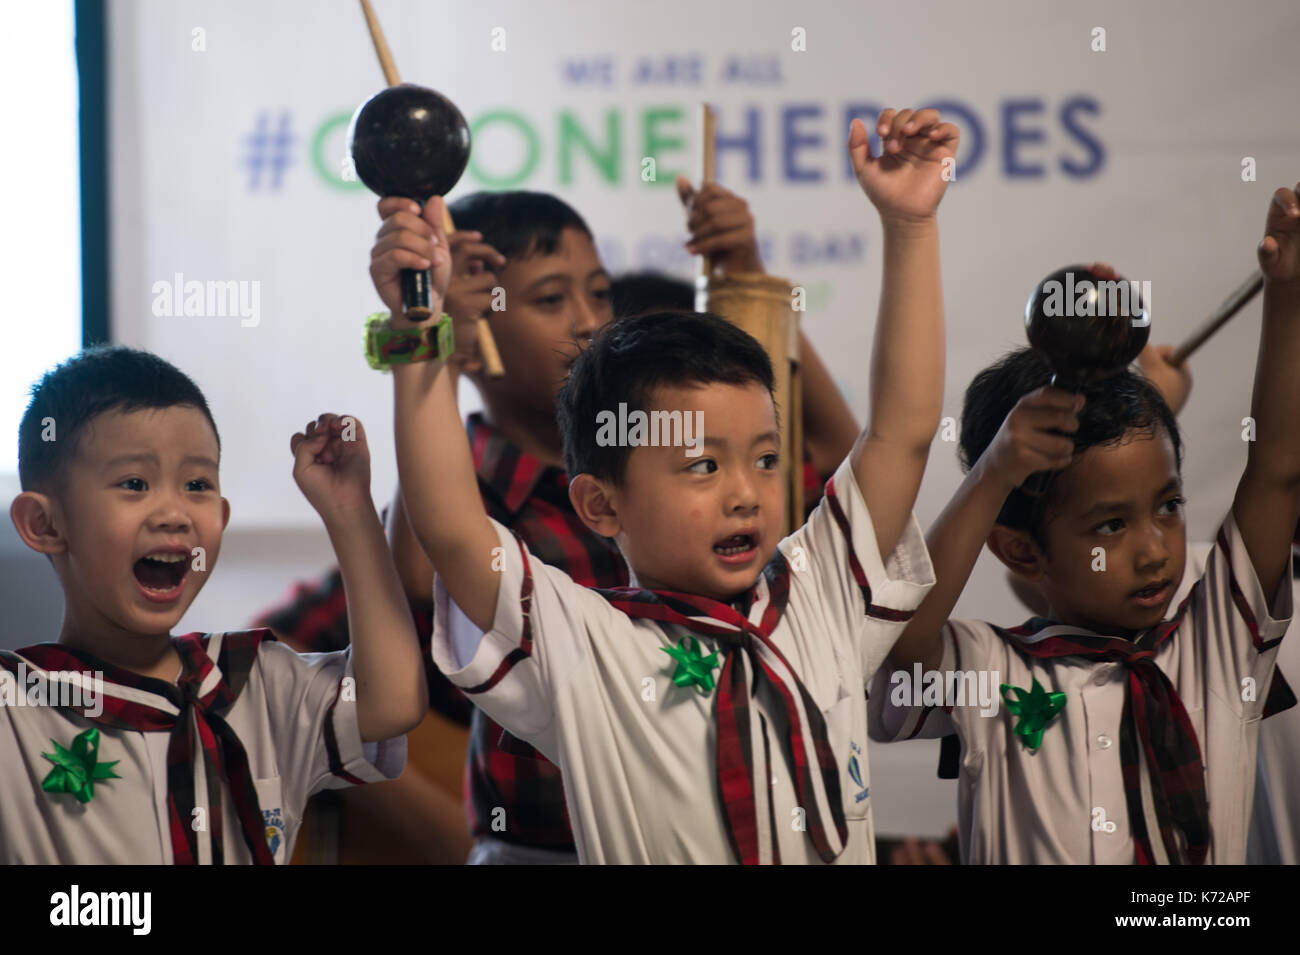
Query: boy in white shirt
124 744
1124 737
715 712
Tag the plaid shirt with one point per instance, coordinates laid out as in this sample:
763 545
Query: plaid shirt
314 619
532 499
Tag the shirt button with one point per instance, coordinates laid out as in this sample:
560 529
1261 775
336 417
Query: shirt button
1104 741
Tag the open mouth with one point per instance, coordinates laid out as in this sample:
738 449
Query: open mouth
1152 594
161 574
737 547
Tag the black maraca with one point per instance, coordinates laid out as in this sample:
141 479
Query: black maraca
1086 324
409 141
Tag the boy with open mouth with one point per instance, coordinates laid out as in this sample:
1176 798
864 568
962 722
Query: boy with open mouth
206 746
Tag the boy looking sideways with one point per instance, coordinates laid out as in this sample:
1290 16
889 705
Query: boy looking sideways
692 776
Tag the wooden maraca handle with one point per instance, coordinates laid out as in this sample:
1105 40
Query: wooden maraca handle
487 345
381 45
1233 304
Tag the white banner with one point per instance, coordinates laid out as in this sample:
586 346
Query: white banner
1146 135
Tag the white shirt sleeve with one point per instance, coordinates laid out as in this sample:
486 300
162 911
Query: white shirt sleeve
313 716
837 576
540 635
1236 629
893 713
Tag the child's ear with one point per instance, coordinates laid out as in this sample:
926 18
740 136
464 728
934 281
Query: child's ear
592 502
1019 551
225 513
36 517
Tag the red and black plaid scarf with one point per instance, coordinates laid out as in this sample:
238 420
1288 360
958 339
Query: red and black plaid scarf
1154 726
748 647
193 711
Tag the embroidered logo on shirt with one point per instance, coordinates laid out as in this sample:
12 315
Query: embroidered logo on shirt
273 820
855 772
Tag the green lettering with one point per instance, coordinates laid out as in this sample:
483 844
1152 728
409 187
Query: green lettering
653 141
533 149
573 135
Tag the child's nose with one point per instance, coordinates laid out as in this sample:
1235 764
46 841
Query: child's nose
742 493
169 515
1153 547
585 320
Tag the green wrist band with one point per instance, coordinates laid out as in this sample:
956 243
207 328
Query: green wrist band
387 346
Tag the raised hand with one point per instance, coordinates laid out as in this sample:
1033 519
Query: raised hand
906 181
474 266
409 239
1028 441
721 226
1174 382
1279 251
332 466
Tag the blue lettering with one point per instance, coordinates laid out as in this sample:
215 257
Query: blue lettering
1096 154
591 72
684 71
806 248
794 141
756 70
747 142
1014 135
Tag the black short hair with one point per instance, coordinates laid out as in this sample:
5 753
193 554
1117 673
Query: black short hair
1114 408
100 379
518 224
635 293
630 357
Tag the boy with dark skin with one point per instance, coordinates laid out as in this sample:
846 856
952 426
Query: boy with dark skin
1106 551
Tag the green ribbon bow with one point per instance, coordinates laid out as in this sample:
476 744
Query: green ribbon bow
77 768
1035 707
692 666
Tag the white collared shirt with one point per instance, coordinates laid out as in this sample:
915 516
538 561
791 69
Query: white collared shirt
592 689
1065 802
299 732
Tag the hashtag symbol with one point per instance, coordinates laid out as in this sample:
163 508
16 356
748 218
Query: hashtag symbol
268 151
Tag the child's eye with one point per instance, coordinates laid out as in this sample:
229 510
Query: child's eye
601 293
769 462
198 484
708 464
549 301
1177 503
1101 528
133 484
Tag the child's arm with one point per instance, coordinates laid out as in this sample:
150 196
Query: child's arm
1267 502
829 428
905 183
722 226
332 468
469 296
1173 382
413 567
434 465
1023 445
